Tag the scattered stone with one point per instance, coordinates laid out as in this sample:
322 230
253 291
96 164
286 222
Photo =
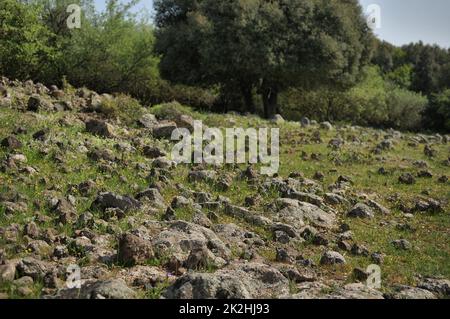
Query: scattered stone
326 126
377 258
356 291
199 258
332 258
185 121
308 232
360 250
57 94
239 281
402 244
385 145
440 287
152 195
405 292
201 176
282 256
100 128
319 176
287 229
109 289
361 211
443 179
39 247
320 240
378 207
86 188
163 163
41 135
305 197
281 237
421 164
101 155
153 152
429 151
3 91
248 216
277 118
11 142
180 202
17 158
145 276
32 267
300 275
60 251
425 174
36 103
305 122
360 274
65 211
344 245
148 120
407 179
182 237
201 219
336 143
7 272
429 205
250 173
24 281
111 200
164 130
295 213
31 230
134 250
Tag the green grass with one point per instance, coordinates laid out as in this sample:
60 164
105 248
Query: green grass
431 250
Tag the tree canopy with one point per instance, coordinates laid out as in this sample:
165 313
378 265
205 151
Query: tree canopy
314 58
264 45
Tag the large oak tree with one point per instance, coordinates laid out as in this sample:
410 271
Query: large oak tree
262 45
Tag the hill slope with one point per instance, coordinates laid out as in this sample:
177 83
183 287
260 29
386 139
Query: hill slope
85 181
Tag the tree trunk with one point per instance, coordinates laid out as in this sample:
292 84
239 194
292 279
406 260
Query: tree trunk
248 99
270 101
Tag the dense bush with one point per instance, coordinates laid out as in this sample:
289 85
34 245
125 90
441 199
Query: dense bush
437 114
122 107
321 105
170 111
160 91
114 52
368 99
261 46
373 102
404 109
25 51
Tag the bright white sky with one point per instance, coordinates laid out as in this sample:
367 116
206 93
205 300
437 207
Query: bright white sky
402 21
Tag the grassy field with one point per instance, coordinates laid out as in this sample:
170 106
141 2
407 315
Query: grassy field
60 164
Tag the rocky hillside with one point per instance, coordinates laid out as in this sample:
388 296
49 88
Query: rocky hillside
87 180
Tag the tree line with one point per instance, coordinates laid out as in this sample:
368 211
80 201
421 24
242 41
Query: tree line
314 58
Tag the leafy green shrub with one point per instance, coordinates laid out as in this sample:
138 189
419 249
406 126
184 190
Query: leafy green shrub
25 52
160 91
401 76
404 109
372 102
320 105
369 98
170 111
123 107
437 114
